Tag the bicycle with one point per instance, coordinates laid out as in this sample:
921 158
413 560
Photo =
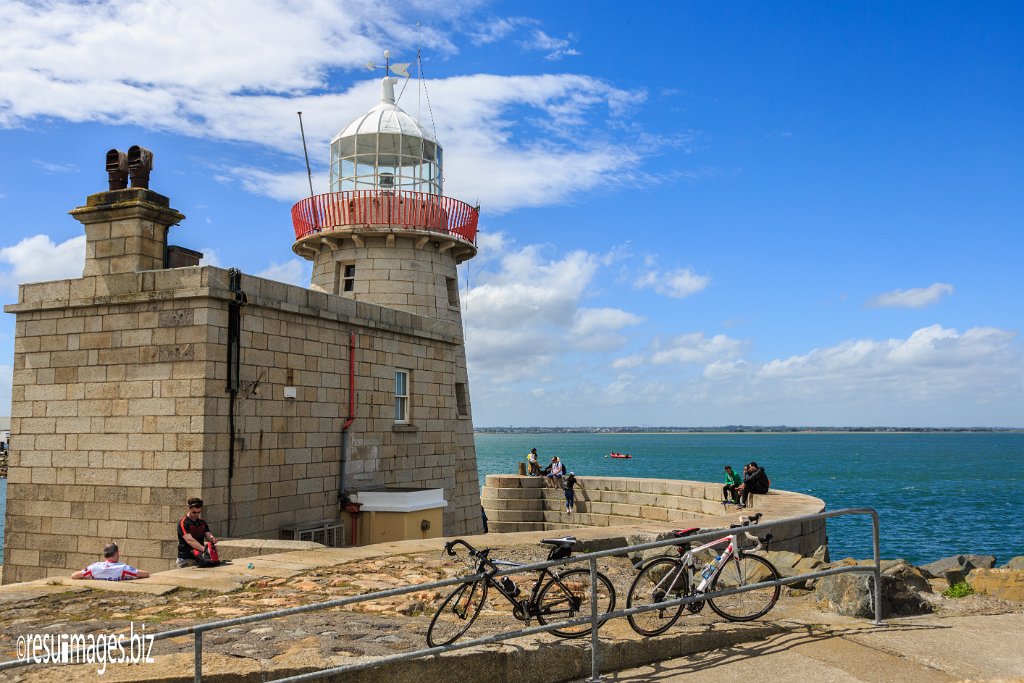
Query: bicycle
669 578
564 596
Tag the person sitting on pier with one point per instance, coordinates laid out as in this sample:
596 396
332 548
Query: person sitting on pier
754 481
194 537
531 458
732 483
110 568
555 472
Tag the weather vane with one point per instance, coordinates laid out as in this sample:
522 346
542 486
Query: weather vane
400 69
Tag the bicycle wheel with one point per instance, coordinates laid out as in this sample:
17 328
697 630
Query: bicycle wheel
743 571
660 580
567 596
457 613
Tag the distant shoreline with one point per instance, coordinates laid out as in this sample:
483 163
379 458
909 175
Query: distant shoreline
744 430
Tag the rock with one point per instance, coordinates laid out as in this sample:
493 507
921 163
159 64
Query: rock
806 565
911 576
853 595
963 563
1015 563
953 577
783 558
821 553
1005 584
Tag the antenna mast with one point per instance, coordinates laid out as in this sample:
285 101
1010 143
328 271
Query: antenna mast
309 173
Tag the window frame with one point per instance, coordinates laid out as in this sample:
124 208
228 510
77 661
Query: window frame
403 401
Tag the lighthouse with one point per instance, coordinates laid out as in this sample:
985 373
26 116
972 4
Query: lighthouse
386 234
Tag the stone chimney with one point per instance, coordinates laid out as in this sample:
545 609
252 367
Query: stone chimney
126 228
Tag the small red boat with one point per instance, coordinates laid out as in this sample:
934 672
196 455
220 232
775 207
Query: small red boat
619 455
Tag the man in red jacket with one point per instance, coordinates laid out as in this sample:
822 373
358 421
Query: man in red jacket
193 534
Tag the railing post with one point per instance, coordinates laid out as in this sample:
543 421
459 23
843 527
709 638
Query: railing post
198 678
595 674
878 568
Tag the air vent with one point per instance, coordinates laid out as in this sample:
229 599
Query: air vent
330 534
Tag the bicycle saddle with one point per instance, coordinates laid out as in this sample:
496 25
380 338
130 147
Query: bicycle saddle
680 533
567 542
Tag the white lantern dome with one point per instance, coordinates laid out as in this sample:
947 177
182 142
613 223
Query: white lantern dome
386 149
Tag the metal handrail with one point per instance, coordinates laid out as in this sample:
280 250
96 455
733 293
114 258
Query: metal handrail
325 213
595 619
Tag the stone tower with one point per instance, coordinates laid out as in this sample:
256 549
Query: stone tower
386 235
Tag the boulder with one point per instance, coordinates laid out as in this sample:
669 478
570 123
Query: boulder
911 576
853 594
1014 563
1005 584
783 558
821 553
962 563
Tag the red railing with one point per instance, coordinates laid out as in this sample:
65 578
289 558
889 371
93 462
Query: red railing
324 213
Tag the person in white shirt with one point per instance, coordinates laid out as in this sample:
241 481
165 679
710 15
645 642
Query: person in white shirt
110 568
531 458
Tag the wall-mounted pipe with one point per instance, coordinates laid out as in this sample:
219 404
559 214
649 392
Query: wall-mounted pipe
342 492
238 299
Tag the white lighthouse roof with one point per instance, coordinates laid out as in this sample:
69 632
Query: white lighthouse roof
386 149
386 117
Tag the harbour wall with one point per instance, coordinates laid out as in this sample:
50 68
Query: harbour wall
522 503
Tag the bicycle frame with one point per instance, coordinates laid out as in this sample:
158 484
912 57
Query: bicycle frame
530 607
687 561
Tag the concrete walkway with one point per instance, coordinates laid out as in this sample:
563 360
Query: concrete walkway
925 649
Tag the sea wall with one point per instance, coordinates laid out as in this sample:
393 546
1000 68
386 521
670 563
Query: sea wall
518 503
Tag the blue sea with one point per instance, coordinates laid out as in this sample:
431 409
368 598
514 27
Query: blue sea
937 494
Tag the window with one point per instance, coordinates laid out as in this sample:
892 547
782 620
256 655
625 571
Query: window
461 403
453 291
349 281
402 396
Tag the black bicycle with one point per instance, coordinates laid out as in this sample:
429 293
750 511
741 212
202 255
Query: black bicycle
556 595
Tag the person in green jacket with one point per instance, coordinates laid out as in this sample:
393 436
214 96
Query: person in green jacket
732 482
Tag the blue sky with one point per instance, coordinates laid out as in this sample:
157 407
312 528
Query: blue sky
693 214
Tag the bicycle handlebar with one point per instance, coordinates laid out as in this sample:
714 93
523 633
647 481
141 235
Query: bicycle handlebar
481 555
760 542
449 547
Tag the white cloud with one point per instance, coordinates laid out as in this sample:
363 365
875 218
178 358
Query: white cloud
294 271
678 283
54 168
76 62
627 362
496 28
524 312
600 320
285 187
696 348
39 259
936 376
556 48
912 298
211 257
